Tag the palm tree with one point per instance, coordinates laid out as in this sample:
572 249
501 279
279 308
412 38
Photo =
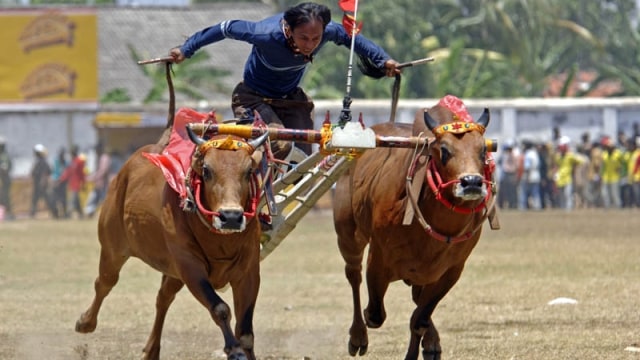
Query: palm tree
540 38
194 80
489 48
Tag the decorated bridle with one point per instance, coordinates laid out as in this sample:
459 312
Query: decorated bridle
437 186
194 181
435 180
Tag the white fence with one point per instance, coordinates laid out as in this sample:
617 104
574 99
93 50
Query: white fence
24 125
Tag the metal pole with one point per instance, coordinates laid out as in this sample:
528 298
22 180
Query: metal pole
345 114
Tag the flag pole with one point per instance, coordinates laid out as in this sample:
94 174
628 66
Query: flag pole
345 114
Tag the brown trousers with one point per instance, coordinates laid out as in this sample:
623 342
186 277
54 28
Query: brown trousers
294 111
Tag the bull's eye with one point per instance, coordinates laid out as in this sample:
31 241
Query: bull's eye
445 155
207 174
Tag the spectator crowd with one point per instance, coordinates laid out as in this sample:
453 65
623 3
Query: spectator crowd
567 174
561 173
64 188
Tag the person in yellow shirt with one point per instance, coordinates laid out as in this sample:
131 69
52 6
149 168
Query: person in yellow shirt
634 172
565 162
612 161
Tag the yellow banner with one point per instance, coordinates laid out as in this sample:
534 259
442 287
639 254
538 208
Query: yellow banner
49 55
106 119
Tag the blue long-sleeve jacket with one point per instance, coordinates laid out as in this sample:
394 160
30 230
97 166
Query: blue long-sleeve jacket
272 68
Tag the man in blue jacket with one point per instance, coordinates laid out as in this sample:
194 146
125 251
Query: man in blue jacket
283 46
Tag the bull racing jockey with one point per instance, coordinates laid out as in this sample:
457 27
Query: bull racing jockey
283 46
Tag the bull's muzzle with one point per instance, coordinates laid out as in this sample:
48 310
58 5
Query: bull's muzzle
230 220
471 187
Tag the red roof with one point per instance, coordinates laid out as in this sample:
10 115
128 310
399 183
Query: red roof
583 80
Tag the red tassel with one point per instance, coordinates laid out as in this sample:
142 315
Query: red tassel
347 22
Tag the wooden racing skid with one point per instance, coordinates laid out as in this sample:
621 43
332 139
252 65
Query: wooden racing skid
301 186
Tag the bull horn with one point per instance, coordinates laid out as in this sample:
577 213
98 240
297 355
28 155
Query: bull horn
429 121
484 118
194 138
257 142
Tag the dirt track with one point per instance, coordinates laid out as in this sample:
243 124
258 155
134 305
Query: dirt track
498 310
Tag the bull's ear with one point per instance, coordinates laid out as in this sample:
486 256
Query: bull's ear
429 121
484 118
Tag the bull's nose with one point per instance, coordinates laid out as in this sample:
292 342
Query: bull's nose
471 181
231 219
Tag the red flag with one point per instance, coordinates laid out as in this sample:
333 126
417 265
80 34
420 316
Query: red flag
348 19
348 5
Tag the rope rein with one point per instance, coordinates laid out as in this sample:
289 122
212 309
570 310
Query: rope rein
193 184
437 186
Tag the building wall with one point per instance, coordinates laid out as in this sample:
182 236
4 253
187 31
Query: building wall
25 126
511 120
515 119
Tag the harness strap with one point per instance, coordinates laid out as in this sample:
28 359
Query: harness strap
414 184
437 187
205 215
204 221
488 204
415 179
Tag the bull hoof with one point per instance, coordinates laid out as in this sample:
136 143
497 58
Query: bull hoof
84 326
355 349
431 355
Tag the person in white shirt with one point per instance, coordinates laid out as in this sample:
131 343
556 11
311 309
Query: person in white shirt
530 182
100 179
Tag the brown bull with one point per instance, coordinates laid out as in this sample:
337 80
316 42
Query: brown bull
452 197
205 250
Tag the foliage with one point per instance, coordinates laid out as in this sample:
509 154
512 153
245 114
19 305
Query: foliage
193 79
483 48
488 48
118 95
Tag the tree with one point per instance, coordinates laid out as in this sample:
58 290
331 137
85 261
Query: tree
483 48
193 79
488 48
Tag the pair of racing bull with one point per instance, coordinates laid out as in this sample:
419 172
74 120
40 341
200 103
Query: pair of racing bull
420 212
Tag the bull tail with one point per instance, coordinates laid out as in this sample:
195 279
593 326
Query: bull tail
164 139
